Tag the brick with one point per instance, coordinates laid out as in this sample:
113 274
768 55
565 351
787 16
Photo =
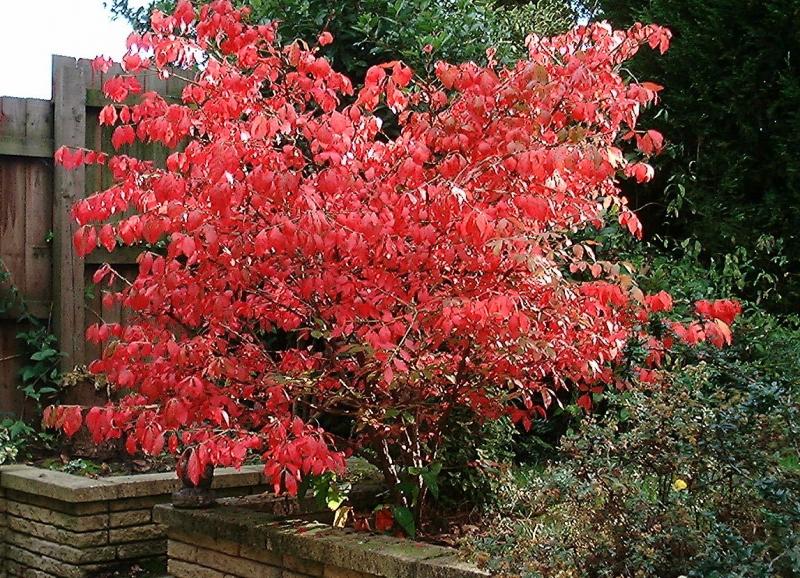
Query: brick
60 519
180 569
50 566
129 518
181 551
143 549
236 565
290 574
231 548
336 572
57 535
61 552
302 566
135 534
261 555
33 573
14 570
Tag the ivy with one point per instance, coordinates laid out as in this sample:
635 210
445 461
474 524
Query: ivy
40 374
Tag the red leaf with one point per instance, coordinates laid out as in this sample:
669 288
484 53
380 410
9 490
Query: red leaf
123 135
384 519
72 419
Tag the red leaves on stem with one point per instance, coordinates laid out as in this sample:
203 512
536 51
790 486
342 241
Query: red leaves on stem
313 265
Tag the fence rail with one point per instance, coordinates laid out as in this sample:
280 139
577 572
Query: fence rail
35 225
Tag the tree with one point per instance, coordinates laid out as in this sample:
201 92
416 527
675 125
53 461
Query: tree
315 267
370 32
731 116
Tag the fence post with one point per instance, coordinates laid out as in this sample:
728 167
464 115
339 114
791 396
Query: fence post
69 108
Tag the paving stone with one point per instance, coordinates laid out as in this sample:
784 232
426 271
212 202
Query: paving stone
141 503
57 485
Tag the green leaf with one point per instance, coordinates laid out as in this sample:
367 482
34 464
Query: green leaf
431 481
409 490
336 497
405 518
44 354
28 373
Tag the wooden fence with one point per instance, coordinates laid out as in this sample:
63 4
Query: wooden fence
35 225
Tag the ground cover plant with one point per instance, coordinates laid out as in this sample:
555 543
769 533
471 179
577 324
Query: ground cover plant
317 268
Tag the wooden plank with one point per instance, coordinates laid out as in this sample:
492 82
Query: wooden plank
38 212
38 249
69 110
39 119
12 221
26 127
42 149
96 99
12 117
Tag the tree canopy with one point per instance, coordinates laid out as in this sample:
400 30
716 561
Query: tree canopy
731 116
369 32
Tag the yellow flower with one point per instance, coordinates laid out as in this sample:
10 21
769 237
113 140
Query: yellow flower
679 485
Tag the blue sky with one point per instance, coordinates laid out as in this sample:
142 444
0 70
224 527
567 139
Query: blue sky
32 30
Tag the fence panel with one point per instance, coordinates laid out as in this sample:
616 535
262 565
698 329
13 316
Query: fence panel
35 225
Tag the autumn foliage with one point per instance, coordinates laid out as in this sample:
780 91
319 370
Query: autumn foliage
304 263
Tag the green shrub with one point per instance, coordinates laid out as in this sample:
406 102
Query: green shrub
701 478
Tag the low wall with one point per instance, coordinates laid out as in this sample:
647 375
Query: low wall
59 525
263 537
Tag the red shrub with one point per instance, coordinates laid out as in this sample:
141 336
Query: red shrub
313 265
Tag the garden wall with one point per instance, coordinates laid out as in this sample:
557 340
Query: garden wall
262 537
54 524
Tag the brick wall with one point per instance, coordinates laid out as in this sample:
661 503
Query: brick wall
58 525
193 556
269 537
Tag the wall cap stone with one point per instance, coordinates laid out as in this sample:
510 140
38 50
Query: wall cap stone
71 488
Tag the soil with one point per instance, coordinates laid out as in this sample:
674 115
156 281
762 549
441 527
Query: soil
115 466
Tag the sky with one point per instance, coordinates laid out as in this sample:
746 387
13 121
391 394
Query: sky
33 30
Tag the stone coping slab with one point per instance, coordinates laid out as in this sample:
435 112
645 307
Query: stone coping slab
71 488
248 522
